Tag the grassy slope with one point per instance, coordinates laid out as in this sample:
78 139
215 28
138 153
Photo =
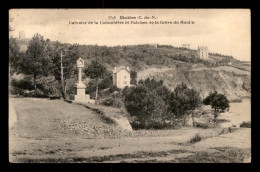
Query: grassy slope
45 118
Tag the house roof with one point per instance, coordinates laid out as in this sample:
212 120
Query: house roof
117 69
202 48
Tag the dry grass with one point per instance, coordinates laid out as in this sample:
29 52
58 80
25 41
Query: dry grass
224 155
118 157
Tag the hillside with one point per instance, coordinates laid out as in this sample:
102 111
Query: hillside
233 82
43 118
175 65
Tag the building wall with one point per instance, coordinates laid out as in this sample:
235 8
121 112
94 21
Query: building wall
122 78
203 53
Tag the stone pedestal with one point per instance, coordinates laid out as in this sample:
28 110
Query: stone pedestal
79 93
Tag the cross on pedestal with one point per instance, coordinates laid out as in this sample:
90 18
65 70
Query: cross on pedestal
80 86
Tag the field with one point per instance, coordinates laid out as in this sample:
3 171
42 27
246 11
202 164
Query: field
57 131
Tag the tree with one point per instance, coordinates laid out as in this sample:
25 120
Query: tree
219 103
36 61
13 50
13 53
133 76
70 55
146 105
184 101
96 70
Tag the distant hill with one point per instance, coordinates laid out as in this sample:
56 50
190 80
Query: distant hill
141 56
174 65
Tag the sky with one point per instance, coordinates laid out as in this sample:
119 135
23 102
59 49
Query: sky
224 31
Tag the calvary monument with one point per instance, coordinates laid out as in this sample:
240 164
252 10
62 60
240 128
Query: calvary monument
79 93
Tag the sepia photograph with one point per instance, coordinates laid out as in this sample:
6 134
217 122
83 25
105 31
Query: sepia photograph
129 86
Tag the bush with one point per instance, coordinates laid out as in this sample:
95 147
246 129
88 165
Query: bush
45 88
200 125
22 84
245 124
218 102
49 88
113 88
39 94
113 102
17 91
108 102
118 103
146 105
238 100
195 139
227 130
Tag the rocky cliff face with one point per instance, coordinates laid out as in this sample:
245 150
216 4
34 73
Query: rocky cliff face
233 82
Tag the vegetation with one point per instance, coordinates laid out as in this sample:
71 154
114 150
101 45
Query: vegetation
245 124
184 101
154 106
13 53
218 102
195 139
225 155
36 62
96 71
139 154
133 76
70 55
150 102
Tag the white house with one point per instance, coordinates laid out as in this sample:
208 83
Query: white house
121 77
203 52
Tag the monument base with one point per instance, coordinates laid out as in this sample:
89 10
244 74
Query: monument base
79 93
81 98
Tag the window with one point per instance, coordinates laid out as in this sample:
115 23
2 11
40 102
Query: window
125 82
125 77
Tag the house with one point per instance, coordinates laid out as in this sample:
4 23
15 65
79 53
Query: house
203 52
121 77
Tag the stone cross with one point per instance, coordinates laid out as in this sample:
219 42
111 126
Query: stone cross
80 65
80 86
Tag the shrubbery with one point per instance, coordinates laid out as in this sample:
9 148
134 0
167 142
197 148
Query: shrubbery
245 124
147 106
113 102
195 139
22 84
154 106
218 102
45 88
